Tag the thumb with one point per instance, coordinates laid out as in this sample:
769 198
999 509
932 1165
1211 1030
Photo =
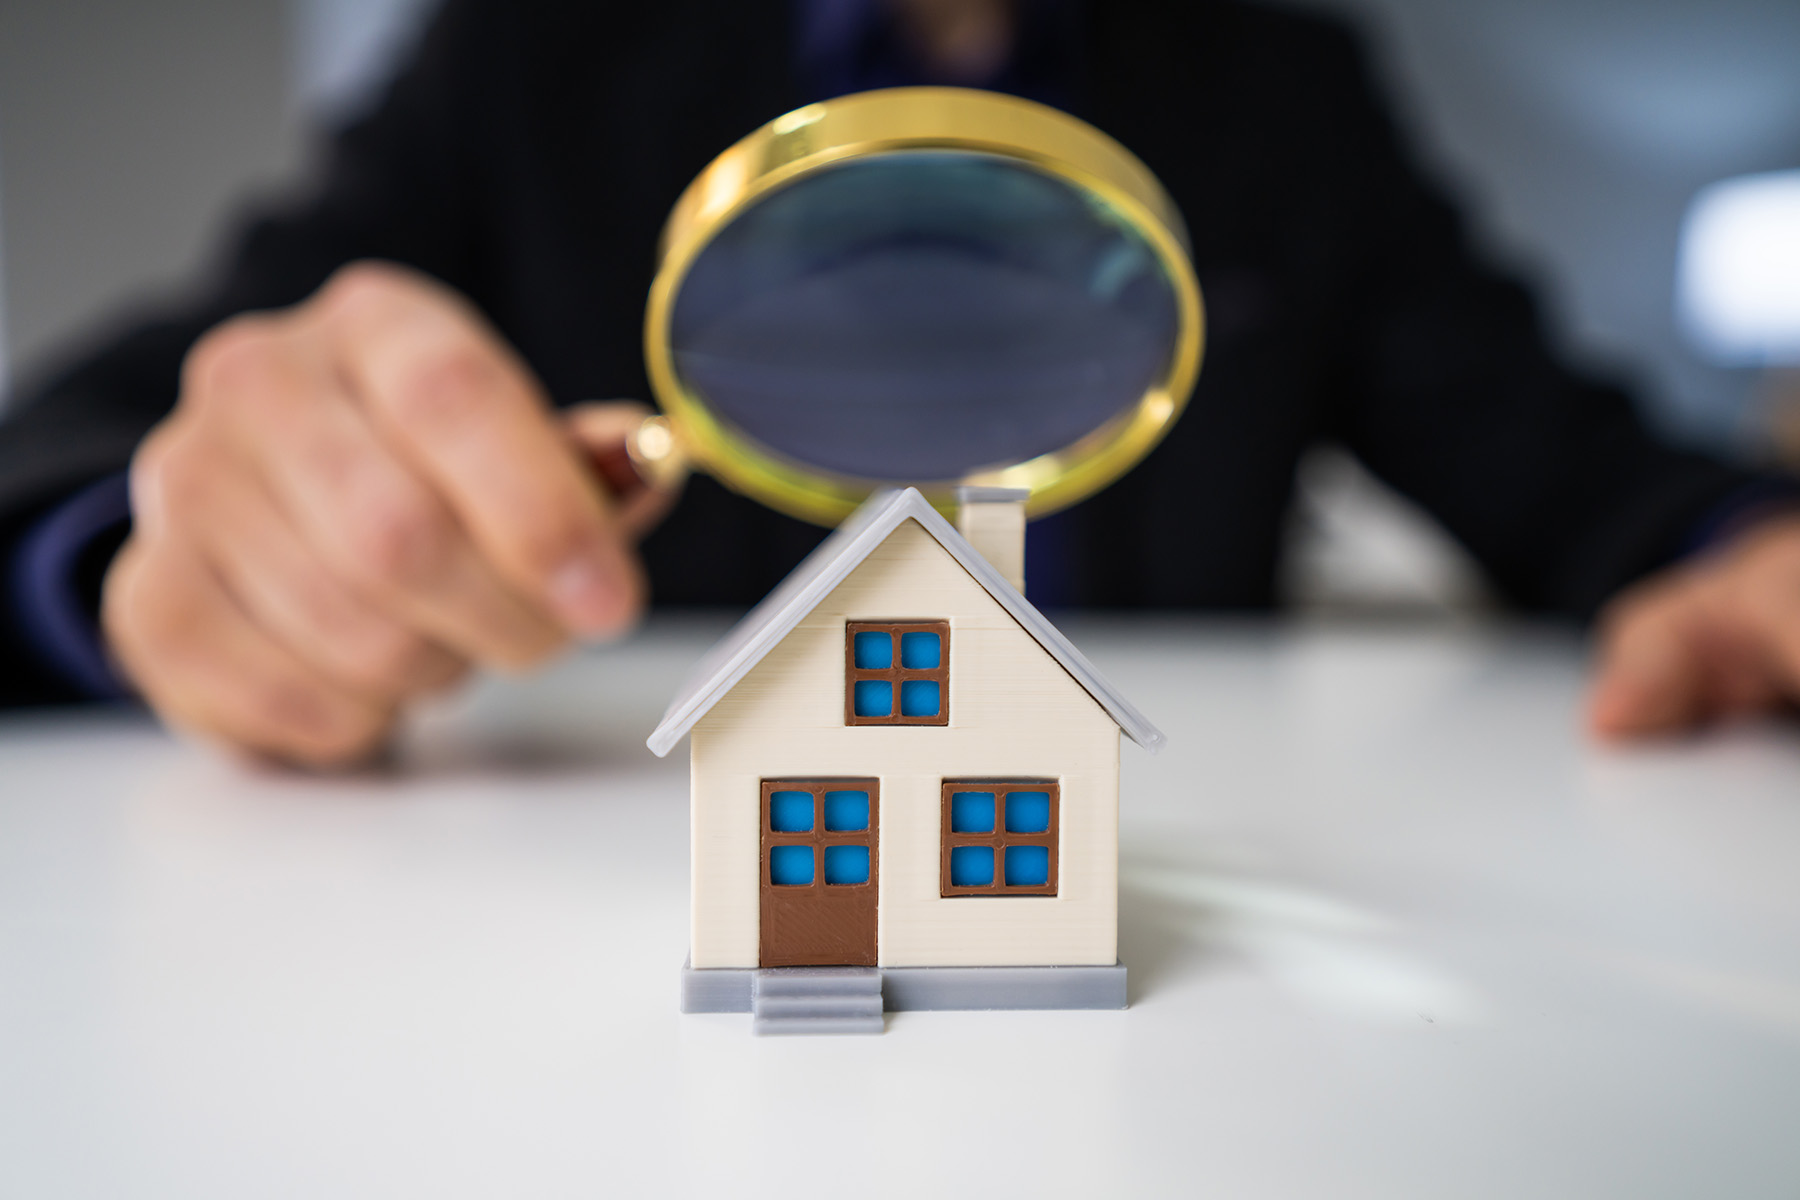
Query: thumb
1650 678
601 431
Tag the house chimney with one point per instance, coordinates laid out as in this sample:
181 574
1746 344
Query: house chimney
992 519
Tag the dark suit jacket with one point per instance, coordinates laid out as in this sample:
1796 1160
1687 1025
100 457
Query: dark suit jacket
530 151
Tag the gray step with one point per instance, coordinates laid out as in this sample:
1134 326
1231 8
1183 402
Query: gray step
817 1006
818 981
816 1000
903 989
816 1026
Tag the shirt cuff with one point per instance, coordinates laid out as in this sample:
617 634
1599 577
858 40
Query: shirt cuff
1767 497
57 620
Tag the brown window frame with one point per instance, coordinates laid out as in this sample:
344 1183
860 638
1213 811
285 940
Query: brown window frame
894 673
999 838
818 837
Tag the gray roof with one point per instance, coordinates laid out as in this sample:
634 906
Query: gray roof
826 567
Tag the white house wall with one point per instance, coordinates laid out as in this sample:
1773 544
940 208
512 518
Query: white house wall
1014 713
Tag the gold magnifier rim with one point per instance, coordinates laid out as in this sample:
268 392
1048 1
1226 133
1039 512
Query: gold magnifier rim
811 139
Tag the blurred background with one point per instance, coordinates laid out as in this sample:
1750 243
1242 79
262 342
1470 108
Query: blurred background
1585 138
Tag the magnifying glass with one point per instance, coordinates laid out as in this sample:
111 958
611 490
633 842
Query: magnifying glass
935 287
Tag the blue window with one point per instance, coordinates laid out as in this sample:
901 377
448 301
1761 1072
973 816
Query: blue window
874 698
790 812
972 866
999 838
920 651
919 698
820 833
874 650
846 812
897 673
790 866
971 812
1026 866
1027 812
846 865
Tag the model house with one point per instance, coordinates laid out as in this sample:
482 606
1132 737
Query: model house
906 779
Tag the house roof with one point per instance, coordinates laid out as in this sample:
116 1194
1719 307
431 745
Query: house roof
827 566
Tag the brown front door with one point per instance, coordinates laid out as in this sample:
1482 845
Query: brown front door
819 841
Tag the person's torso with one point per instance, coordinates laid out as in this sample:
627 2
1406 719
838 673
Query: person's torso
615 114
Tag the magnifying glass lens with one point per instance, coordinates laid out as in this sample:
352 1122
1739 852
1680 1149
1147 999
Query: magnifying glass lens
923 315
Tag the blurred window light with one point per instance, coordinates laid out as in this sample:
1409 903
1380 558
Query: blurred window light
1738 282
5 373
344 50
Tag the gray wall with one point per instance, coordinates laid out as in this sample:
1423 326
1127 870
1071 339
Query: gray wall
126 128
1578 130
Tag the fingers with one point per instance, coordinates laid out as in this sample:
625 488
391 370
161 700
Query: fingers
362 511
1762 586
441 387
1649 677
1717 638
268 569
205 666
354 499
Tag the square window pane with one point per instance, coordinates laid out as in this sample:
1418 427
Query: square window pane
874 697
790 812
920 651
918 698
1027 812
874 651
971 866
1027 866
971 812
845 811
790 866
846 864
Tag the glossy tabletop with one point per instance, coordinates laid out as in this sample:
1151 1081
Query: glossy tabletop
1393 930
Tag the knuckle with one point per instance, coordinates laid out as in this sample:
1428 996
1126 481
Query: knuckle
121 601
367 290
348 739
1777 567
402 543
173 473
529 648
151 464
285 708
348 731
155 643
330 467
445 387
392 660
360 282
233 359
147 608
545 546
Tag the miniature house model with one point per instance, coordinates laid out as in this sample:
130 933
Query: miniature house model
905 783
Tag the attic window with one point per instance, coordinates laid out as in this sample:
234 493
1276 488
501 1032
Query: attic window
999 837
897 673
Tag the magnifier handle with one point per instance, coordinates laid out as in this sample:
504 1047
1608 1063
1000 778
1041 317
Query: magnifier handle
656 453
634 454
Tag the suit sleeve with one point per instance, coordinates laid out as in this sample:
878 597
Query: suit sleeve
398 184
1448 389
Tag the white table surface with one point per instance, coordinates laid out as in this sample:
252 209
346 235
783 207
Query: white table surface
1393 930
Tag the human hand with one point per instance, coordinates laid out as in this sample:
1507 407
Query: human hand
1709 639
354 500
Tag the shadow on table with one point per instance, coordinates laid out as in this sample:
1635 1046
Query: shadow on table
1180 915
522 753
1162 937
